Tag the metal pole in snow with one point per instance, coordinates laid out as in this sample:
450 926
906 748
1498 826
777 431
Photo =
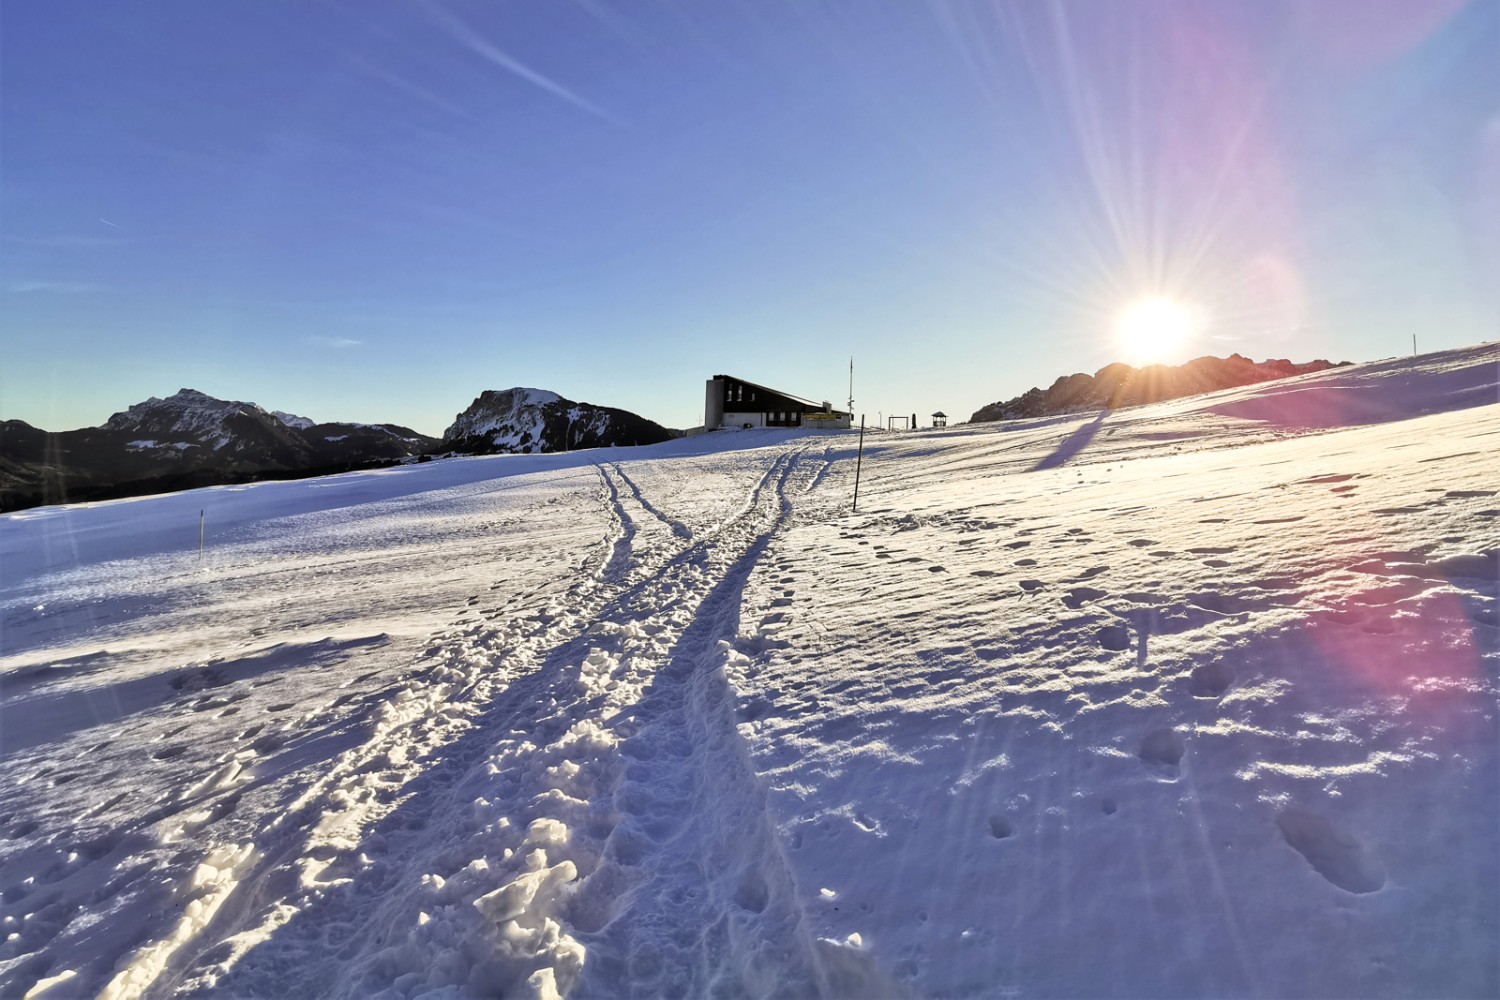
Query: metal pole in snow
858 459
1414 345
200 536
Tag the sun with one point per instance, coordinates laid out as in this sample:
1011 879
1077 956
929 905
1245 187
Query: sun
1152 330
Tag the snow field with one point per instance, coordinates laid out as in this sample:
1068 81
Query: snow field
1169 701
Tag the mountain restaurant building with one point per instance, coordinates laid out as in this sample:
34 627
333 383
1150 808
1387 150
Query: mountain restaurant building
733 402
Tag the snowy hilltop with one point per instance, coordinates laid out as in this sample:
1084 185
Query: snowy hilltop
1117 385
1190 699
533 421
187 439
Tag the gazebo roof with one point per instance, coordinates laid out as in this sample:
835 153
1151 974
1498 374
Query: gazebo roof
940 413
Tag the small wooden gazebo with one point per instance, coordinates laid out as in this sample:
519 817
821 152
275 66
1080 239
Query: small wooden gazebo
939 419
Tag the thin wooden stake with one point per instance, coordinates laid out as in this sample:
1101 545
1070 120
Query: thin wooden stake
200 536
858 460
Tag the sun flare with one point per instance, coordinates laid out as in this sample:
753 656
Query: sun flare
1152 330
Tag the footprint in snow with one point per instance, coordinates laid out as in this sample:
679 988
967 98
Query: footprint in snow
1334 853
1162 751
1210 680
1114 638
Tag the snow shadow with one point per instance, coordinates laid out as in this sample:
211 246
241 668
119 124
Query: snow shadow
1370 394
1072 444
35 717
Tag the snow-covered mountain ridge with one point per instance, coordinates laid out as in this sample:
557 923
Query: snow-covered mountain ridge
292 420
187 439
187 413
533 421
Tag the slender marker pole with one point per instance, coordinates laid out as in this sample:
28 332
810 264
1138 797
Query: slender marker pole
200 536
858 460
1414 345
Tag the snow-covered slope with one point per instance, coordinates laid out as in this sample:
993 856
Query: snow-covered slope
1182 700
1120 385
532 421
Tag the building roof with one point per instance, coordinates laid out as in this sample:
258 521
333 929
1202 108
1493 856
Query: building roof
940 413
777 392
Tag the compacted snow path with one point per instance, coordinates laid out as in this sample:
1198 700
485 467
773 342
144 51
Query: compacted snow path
600 803
1198 698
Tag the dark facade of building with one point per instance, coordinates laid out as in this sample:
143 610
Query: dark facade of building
734 402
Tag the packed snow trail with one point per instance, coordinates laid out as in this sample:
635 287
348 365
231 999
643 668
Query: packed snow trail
600 805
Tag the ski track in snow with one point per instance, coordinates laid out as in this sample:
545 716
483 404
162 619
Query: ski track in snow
1166 701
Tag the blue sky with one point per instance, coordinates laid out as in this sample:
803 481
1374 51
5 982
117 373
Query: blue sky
374 211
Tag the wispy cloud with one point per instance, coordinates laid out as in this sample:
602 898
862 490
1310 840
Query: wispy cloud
336 343
406 86
482 47
57 287
114 225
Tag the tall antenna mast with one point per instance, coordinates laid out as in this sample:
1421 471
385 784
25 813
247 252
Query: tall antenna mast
851 384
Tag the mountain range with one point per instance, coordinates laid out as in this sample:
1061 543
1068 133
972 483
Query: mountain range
191 439
1118 385
186 440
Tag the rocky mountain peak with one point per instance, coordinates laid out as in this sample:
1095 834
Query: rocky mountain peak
528 420
185 412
